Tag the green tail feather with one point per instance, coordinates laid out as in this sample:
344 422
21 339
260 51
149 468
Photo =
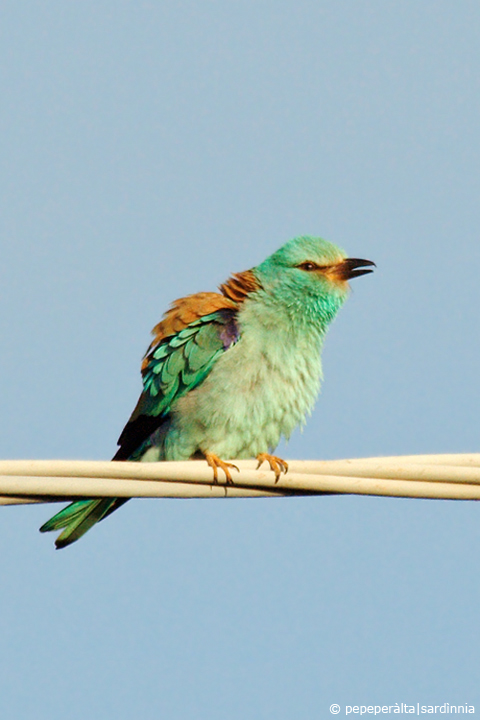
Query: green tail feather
77 518
62 518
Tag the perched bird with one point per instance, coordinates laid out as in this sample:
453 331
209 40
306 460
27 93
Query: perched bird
227 374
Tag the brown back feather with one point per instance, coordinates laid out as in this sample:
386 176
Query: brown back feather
239 286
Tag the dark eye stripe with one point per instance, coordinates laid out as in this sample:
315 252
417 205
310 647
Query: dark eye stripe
308 266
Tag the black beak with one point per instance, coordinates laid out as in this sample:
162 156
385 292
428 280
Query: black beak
354 267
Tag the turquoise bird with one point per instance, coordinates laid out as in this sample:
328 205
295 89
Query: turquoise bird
228 373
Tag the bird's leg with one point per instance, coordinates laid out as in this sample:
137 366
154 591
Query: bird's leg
276 464
215 463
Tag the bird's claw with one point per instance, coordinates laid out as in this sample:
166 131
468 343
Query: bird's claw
277 465
215 462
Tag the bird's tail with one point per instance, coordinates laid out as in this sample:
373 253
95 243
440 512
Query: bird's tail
78 517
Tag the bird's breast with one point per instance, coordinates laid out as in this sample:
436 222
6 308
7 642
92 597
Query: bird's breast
259 390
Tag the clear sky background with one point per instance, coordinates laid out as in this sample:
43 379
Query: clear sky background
148 150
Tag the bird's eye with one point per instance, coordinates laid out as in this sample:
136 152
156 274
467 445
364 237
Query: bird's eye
307 266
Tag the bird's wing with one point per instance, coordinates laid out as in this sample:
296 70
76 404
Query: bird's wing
187 342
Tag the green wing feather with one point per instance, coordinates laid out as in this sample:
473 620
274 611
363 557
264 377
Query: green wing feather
178 364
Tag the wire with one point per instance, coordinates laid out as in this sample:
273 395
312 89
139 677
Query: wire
452 477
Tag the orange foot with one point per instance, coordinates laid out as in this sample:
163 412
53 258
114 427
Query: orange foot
215 463
276 464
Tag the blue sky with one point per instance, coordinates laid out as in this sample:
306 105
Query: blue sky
149 150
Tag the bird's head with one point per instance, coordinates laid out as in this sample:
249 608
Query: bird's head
309 276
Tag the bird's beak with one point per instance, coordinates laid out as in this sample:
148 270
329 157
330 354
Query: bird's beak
351 268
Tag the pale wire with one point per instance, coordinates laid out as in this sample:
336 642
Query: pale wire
447 477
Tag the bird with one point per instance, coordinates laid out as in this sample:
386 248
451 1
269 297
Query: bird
229 373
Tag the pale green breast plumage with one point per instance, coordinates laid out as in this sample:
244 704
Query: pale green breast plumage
259 390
